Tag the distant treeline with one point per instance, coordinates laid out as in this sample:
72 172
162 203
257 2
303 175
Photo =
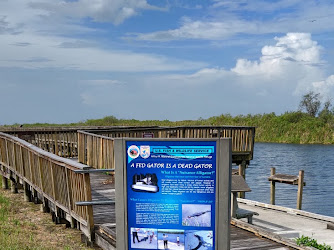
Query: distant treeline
313 123
290 127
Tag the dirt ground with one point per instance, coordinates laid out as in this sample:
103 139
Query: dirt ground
24 226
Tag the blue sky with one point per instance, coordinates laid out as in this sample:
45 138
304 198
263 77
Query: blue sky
68 61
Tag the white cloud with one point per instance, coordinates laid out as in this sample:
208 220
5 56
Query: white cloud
49 52
203 30
103 82
255 5
325 87
67 18
273 83
39 37
115 11
230 20
33 38
293 50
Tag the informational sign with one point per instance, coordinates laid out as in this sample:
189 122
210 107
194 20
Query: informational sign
171 194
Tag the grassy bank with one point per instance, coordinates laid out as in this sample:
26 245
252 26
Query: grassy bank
290 127
23 226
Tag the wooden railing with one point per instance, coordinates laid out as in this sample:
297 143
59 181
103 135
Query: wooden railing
60 141
96 147
51 176
96 151
35 159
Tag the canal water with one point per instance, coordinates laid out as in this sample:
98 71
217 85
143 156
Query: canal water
316 160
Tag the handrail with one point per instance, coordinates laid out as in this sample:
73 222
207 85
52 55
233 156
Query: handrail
61 141
96 151
96 146
52 176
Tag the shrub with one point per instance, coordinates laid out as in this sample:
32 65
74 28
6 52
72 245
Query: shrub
309 242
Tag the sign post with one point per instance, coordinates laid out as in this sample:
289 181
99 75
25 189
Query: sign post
173 194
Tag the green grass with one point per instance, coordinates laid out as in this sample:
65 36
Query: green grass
4 206
23 226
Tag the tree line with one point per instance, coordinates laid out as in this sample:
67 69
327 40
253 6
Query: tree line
313 122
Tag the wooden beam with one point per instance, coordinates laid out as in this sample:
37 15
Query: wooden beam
272 187
300 189
89 209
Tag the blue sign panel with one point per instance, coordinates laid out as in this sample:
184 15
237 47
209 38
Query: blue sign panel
171 194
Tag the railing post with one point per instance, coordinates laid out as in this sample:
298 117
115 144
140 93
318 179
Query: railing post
89 209
80 147
272 187
300 189
89 150
69 196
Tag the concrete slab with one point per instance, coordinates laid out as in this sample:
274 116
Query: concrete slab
290 225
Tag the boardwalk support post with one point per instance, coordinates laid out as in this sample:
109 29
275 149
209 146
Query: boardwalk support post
5 183
45 205
287 179
4 178
13 186
242 172
272 187
35 197
27 192
300 189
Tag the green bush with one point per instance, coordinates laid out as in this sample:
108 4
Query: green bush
309 242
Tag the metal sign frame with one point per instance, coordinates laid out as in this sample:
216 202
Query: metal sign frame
223 189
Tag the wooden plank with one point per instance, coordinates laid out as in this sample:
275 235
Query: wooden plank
239 184
285 178
263 233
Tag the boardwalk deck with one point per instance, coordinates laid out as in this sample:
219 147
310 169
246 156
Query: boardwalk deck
103 188
291 223
104 219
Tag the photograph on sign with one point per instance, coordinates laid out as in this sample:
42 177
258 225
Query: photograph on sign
144 238
171 194
170 239
200 239
196 215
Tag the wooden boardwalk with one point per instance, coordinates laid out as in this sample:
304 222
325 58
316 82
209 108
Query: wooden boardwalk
59 183
104 220
242 240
